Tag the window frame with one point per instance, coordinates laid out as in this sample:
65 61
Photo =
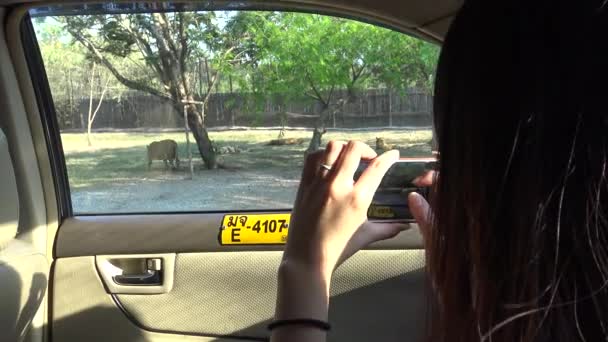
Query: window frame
48 117
46 104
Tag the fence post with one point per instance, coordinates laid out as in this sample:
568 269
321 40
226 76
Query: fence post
333 117
390 108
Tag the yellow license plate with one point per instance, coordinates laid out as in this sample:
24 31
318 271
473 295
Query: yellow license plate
379 211
254 229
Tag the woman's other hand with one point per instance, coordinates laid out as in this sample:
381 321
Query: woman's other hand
419 206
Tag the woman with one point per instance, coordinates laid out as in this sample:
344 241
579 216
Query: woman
516 236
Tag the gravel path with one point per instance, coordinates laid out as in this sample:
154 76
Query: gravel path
209 190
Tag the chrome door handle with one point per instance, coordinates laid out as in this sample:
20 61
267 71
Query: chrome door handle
148 278
137 273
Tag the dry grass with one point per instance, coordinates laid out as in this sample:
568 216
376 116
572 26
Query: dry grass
121 157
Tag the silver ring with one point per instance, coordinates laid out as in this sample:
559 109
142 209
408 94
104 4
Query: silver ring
325 167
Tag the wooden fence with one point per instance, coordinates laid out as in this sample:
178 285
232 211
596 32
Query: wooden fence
371 108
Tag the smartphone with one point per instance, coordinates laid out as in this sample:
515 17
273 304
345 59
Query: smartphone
390 200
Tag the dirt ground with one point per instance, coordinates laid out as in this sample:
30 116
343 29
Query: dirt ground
112 176
208 190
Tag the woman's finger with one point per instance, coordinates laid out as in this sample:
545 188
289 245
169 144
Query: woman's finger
421 211
332 152
425 180
372 176
311 163
350 158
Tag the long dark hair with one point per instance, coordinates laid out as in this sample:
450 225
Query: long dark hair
518 250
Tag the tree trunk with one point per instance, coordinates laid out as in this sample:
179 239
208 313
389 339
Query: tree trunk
333 119
199 132
89 124
71 97
316 140
89 121
317 133
200 78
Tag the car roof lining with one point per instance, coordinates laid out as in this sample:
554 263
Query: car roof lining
428 19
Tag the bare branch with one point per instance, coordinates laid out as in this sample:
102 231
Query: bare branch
168 59
122 79
144 48
183 39
103 94
211 84
161 19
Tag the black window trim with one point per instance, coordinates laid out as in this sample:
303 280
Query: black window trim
48 117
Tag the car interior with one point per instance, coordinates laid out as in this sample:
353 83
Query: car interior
67 275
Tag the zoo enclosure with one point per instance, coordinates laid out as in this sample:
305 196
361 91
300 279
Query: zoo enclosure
370 108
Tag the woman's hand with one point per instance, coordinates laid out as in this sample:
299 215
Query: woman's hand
329 221
328 225
419 207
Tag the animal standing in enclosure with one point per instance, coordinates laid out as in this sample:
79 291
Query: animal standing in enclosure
165 150
382 146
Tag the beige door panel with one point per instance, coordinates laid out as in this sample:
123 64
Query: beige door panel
214 292
82 310
377 295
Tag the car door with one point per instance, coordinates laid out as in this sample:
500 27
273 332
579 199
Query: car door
152 245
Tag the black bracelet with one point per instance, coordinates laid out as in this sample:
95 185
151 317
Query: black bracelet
315 323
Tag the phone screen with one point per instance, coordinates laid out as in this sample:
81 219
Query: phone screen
390 200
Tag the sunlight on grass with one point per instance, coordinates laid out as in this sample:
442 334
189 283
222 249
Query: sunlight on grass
121 157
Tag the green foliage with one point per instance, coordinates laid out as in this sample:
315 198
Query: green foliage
316 55
254 53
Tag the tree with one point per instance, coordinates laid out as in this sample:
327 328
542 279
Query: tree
93 113
65 72
165 44
403 62
316 55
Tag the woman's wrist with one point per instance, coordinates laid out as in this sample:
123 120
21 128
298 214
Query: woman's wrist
303 291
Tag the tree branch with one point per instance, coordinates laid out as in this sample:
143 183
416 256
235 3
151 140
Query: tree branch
331 91
311 96
169 60
163 46
161 18
145 49
314 89
122 79
183 39
103 93
211 84
356 74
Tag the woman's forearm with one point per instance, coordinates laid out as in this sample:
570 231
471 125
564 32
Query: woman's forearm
302 294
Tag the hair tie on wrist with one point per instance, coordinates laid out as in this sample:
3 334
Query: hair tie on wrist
315 323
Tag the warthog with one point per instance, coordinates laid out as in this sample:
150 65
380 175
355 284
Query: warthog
165 150
382 146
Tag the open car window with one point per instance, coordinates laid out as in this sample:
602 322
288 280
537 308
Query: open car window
166 110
